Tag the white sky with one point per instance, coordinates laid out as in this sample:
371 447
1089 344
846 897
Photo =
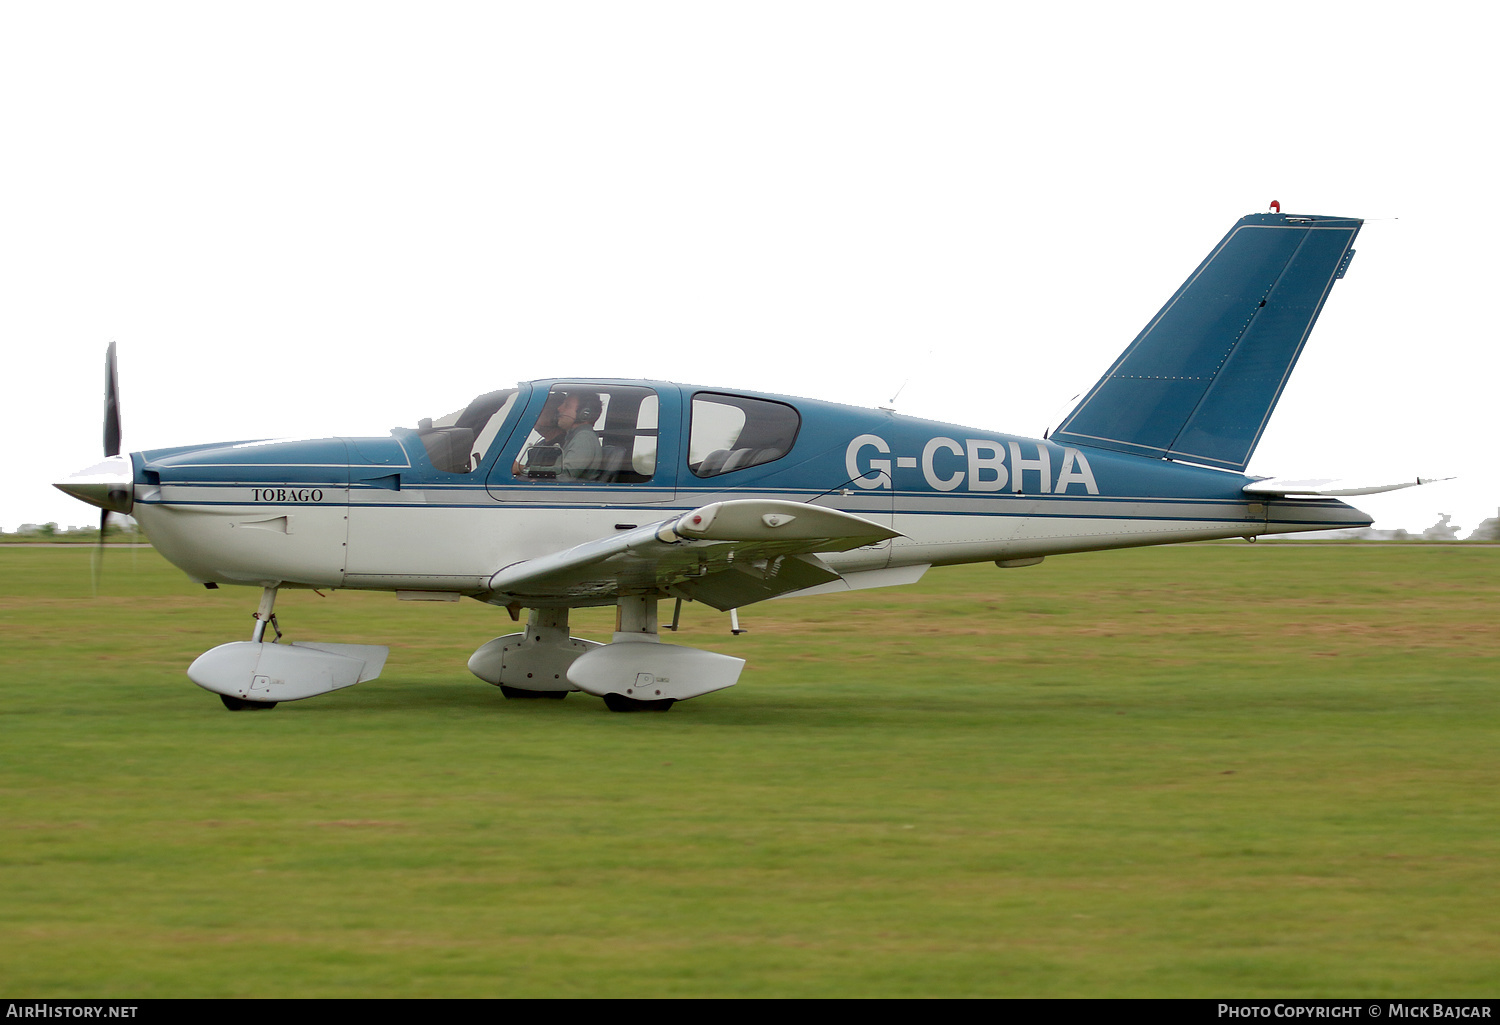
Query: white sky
332 218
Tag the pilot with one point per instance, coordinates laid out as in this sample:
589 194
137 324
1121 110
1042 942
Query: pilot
540 457
582 452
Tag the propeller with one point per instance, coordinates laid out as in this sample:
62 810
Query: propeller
111 441
107 484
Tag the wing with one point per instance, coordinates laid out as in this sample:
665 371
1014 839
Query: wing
726 555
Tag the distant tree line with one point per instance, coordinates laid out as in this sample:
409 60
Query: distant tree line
119 530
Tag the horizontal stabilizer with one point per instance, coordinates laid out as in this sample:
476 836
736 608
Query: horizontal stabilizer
1322 487
1200 381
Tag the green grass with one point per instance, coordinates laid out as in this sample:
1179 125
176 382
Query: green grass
1194 771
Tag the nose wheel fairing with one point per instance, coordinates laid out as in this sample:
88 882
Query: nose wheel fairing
268 672
259 673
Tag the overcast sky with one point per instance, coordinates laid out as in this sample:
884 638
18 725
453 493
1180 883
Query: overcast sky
333 218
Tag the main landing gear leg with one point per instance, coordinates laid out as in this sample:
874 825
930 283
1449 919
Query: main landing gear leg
542 626
635 619
533 664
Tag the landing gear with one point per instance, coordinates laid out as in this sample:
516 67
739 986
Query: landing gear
265 614
259 674
533 664
241 705
635 672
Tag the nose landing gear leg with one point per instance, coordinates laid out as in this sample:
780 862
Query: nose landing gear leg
263 615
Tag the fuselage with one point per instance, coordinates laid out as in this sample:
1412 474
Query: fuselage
443 508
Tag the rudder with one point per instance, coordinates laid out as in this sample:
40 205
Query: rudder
1201 379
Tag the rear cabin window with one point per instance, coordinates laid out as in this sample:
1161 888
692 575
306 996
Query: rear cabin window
734 432
591 433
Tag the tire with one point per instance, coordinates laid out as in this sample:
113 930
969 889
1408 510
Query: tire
620 703
521 694
241 705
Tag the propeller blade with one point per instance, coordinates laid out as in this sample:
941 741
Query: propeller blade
111 451
111 406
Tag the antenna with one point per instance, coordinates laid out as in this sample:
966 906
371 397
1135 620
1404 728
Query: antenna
891 402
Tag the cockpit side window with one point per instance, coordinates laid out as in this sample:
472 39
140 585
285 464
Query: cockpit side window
734 432
459 442
592 433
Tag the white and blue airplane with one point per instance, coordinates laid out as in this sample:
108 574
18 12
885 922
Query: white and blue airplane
560 494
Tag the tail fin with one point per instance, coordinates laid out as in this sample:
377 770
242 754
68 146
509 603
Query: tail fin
1200 381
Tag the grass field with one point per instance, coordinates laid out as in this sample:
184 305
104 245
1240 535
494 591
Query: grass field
1196 771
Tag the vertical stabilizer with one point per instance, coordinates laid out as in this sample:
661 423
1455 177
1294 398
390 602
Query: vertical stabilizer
1200 381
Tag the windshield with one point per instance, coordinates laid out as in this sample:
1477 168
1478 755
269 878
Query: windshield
460 441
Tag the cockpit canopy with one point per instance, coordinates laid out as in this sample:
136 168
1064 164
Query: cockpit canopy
604 432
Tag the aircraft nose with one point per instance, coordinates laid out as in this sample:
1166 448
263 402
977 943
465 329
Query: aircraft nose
107 484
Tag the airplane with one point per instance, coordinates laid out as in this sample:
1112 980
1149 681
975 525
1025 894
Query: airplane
567 493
